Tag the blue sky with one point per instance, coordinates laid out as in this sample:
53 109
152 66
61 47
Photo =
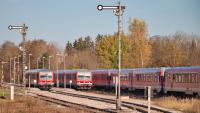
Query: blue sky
66 20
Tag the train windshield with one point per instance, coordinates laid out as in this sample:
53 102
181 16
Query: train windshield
83 77
45 76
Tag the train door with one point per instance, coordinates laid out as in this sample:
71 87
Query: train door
167 81
199 83
162 79
131 81
173 81
115 81
109 80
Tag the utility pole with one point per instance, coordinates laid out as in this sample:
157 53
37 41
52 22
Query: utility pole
37 62
2 76
14 70
49 62
64 61
23 30
29 68
43 61
57 82
118 11
11 70
18 70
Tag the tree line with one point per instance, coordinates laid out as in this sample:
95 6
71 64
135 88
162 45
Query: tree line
138 50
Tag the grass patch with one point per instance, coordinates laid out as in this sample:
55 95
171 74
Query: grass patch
186 105
4 92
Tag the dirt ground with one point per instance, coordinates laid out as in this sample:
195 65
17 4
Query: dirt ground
27 104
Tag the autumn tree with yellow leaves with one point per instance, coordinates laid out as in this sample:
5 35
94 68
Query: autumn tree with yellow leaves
139 48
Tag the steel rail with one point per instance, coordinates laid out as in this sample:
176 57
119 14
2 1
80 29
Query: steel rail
130 105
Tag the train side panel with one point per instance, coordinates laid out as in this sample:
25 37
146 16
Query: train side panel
103 79
140 78
182 79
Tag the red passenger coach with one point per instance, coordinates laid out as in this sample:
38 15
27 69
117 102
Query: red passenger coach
107 78
182 79
103 78
139 78
41 78
79 79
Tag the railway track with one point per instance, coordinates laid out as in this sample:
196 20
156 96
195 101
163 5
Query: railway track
131 105
69 104
61 101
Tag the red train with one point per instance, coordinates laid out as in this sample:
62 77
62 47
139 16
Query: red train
41 78
168 79
175 79
78 79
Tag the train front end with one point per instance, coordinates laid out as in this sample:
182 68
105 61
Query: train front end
84 80
46 80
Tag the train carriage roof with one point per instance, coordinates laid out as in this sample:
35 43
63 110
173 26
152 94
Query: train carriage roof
191 69
146 70
38 70
72 71
127 71
103 70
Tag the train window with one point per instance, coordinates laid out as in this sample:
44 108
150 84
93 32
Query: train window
146 77
167 76
156 78
33 76
142 77
83 77
137 77
176 78
45 77
68 76
193 78
180 78
183 78
150 77
190 78
187 78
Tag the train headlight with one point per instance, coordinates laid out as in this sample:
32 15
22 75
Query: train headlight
35 81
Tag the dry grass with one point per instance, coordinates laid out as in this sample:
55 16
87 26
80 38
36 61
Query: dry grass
27 104
185 105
